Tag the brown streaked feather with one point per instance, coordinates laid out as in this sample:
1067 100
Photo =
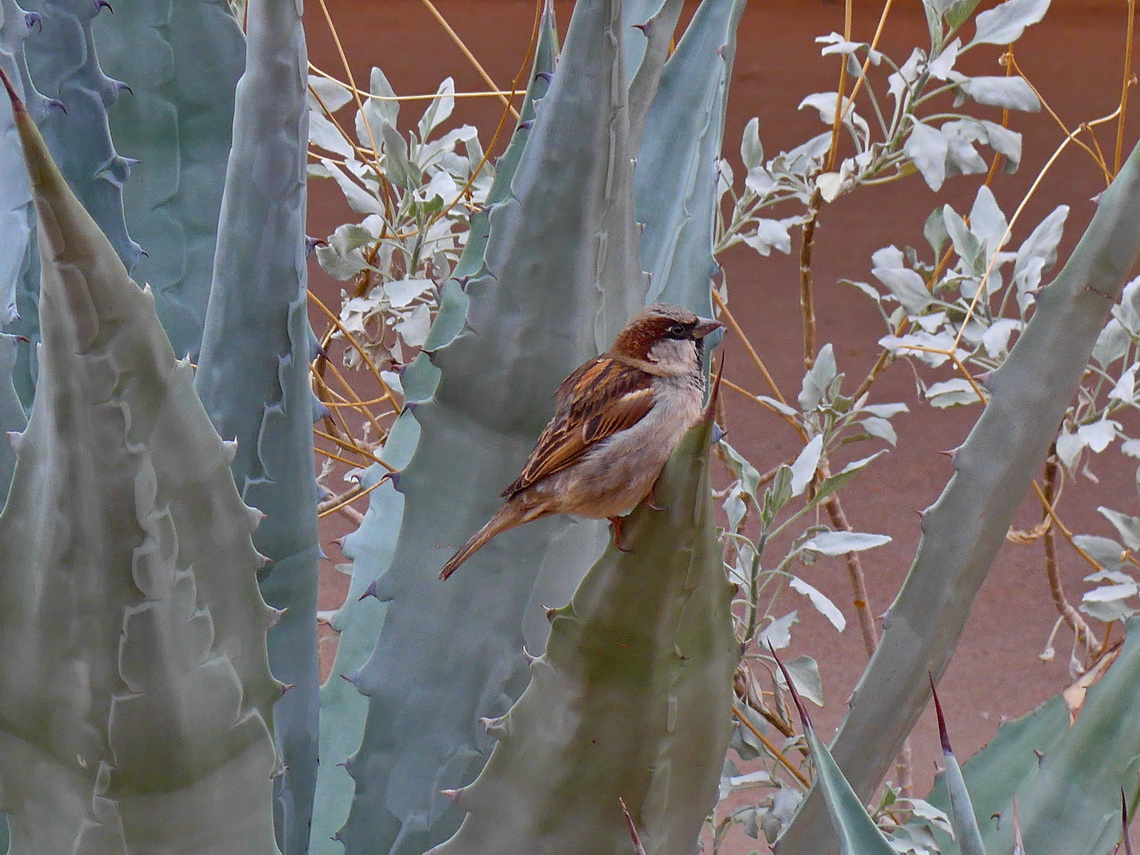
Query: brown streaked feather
620 397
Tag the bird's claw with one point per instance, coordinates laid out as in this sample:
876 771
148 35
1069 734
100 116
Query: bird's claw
617 522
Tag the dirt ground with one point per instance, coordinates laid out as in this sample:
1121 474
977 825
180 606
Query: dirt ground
1074 59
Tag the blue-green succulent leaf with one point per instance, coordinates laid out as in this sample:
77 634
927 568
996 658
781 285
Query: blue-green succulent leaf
17 215
1067 776
964 529
545 57
675 185
137 716
253 376
72 115
182 61
632 701
559 279
358 622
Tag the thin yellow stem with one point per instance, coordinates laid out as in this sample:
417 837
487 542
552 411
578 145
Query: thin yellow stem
867 62
363 354
324 452
348 501
348 70
435 96
356 449
1047 506
757 400
467 53
839 90
775 752
1125 86
756 360
1011 61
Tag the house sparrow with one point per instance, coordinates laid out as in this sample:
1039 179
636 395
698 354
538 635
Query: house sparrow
618 419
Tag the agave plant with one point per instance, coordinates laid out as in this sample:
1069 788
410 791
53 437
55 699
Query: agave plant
145 710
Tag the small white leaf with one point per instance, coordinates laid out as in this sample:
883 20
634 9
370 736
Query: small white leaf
778 633
906 286
949 393
805 675
1110 592
324 134
1038 252
996 338
941 65
1111 344
414 327
1125 388
822 604
1126 526
401 292
1011 93
1006 22
927 147
805 465
987 222
880 428
818 379
751 151
1098 435
332 94
842 542
772 234
829 184
1069 447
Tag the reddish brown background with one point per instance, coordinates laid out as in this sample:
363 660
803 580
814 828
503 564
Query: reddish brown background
1074 58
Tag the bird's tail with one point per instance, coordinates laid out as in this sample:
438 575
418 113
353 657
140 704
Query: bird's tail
500 522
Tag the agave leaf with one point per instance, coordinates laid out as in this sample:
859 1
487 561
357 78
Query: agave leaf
854 827
358 622
137 717
560 278
632 701
182 61
372 546
253 376
545 57
17 215
676 178
646 38
1067 778
62 60
962 813
13 419
965 527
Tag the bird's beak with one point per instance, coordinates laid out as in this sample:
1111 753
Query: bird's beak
705 326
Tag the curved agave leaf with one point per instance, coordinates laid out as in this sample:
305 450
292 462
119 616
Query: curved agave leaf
254 376
545 57
64 64
647 37
965 527
17 215
560 278
675 184
1067 779
854 827
372 546
13 419
632 701
137 716
182 61
357 622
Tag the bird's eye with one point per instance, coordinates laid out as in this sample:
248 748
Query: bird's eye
678 331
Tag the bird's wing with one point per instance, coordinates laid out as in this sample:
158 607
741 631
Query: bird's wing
602 397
